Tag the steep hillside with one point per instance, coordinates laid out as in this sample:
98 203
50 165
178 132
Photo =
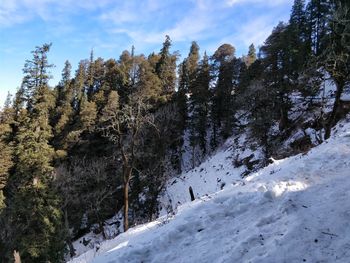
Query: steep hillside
238 155
295 210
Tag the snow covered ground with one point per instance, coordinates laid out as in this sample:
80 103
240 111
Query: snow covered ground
214 174
295 210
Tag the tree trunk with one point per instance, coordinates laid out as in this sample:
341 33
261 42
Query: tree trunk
69 239
214 142
266 149
127 176
284 118
16 256
331 120
193 157
126 206
102 230
191 193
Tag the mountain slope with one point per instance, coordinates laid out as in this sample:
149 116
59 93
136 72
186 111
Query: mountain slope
295 210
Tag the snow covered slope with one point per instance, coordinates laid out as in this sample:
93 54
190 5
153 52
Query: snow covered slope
295 210
214 174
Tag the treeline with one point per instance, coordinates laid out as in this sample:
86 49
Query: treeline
108 138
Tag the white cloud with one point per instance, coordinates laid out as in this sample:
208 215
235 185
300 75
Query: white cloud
256 31
14 12
201 20
266 2
142 22
9 13
147 22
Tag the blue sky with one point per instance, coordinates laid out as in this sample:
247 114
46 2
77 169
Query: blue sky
111 26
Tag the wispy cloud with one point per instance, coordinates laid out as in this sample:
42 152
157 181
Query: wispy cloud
110 26
151 21
146 21
255 31
9 13
265 2
14 12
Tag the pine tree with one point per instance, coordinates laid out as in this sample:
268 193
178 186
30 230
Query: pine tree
261 108
111 74
187 74
125 77
166 68
199 106
298 15
336 57
277 75
222 101
192 61
37 75
149 84
182 93
89 89
63 86
298 45
318 13
100 90
34 218
78 84
33 207
64 106
251 57
87 114
6 146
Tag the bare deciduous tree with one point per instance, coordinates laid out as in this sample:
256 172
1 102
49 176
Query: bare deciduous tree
124 127
85 184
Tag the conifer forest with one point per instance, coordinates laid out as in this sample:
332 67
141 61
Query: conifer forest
105 141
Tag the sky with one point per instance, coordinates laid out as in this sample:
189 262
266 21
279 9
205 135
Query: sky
75 27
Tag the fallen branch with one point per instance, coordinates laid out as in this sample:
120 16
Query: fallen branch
330 234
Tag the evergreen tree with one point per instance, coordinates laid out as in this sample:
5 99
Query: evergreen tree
34 218
187 75
100 90
33 208
149 83
166 68
111 74
19 100
278 67
6 146
199 106
297 43
251 57
36 76
336 57
182 93
78 84
87 114
318 12
260 104
89 89
126 62
222 100
63 109
192 61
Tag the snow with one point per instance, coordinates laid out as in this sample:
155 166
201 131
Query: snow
92 241
295 210
214 174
